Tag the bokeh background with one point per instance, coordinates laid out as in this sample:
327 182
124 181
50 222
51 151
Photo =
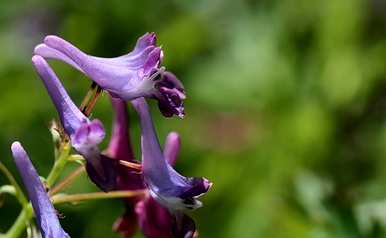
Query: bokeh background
286 107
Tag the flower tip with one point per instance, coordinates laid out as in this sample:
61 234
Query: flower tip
207 184
39 49
173 136
150 38
51 38
56 43
37 60
16 148
18 152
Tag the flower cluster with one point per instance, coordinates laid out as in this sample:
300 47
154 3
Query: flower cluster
133 78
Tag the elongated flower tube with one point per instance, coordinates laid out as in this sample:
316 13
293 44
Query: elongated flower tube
85 135
165 185
157 221
136 74
45 213
154 220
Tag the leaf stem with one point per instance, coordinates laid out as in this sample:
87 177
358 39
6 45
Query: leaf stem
18 192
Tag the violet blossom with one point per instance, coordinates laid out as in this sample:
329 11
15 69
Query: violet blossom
154 220
158 221
165 185
85 134
45 213
136 74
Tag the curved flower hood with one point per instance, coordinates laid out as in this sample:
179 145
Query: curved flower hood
168 187
136 74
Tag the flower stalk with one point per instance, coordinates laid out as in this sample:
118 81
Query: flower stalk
73 198
18 192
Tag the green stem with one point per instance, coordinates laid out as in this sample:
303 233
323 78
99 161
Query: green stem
27 213
19 193
59 165
67 180
62 198
21 222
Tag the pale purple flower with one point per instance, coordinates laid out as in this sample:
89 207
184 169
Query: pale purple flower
165 185
136 74
85 134
154 220
157 221
45 213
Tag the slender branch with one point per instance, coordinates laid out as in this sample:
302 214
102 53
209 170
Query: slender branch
87 98
67 180
19 193
93 101
61 198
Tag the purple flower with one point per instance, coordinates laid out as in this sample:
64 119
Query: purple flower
44 211
165 185
158 221
154 220
136 74
85 135
126 179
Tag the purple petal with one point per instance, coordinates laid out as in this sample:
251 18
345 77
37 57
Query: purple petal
50 53
172 147
184 226
70 116
148 39
170 95
157 222
122 76
44 211
89 134
165 185
127 224
102 171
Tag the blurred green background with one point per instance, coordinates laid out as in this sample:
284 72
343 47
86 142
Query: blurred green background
286 107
